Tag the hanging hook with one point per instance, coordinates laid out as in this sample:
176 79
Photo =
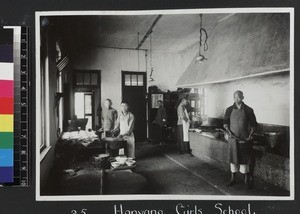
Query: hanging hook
202 32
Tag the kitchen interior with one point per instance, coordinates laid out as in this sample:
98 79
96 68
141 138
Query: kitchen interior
142 59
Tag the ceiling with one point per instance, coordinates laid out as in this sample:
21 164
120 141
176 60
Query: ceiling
172 33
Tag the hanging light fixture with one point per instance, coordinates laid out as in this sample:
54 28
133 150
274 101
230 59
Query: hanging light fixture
151 65
202 42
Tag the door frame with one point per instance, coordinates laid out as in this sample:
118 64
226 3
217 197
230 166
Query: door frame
144 73
92 92
87 88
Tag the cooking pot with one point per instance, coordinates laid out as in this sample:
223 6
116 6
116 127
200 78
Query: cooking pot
272 138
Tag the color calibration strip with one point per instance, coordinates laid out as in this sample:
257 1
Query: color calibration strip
21 124
6 106
24 105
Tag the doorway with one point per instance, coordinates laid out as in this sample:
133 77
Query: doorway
86 95
134 92
84 107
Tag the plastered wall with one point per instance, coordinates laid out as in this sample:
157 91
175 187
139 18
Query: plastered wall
268 96
167 68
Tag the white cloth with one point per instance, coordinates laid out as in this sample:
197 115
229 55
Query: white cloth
124 128
186 126
244 168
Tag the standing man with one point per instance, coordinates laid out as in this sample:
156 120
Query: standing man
125 124
240 123
161 121
183 125
109 118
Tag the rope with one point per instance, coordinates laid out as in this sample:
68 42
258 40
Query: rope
202 31
138 37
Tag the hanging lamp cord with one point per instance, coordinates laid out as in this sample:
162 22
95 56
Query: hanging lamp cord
151 65
138 38
202 31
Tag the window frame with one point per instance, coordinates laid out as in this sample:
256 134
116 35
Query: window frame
83 73
133 84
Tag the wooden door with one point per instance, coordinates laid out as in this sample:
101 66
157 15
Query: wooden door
134 92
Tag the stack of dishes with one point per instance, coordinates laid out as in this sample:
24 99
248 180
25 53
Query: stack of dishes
121 161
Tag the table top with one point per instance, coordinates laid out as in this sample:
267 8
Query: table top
112 139
90 180
123 182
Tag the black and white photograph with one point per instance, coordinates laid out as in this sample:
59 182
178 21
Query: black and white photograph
191 104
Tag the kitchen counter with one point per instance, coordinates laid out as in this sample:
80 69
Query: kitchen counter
212 147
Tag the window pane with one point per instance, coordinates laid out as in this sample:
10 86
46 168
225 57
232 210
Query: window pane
60 83
79 104
87 79
134 80
198 104
79 79
94 79
127 80
193 103
89 123
88 104
140 80
60 118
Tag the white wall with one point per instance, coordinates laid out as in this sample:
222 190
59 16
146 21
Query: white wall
268 96
111 62
168 67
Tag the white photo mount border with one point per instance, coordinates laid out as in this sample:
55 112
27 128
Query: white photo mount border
40 14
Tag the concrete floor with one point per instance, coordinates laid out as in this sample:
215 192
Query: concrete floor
168 172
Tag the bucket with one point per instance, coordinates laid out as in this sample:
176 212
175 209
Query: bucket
272 138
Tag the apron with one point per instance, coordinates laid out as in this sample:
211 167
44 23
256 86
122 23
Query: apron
124 127
186 126
238 153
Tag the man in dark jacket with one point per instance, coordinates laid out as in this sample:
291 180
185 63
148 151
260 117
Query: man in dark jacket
240 123
161 121
109 118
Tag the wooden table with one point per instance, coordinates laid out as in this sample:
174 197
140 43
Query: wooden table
89 181
123 182
113 145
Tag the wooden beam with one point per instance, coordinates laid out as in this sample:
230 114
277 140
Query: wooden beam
150 30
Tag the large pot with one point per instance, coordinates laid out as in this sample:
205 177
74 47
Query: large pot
272 138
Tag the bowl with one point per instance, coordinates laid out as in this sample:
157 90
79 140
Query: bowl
272 138
130 162
115 164
121 159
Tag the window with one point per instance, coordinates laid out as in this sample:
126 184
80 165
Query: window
84 107
200 103
155 98
58 52
134 80
42 104
87 78
59 90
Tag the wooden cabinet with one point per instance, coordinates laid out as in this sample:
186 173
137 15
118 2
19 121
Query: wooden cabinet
171 100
